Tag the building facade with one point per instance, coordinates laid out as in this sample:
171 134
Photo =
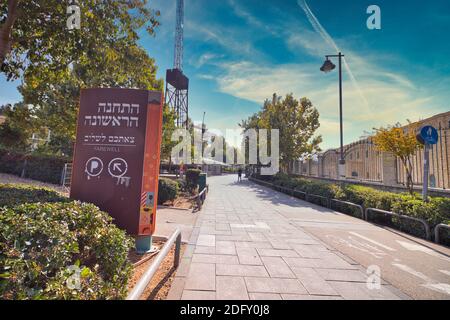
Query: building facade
365 163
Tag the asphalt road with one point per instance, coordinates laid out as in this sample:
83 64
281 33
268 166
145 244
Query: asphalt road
419 268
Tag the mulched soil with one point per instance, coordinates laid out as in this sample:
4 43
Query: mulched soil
159 286
183 201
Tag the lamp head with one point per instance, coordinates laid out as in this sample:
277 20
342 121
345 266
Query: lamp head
328 66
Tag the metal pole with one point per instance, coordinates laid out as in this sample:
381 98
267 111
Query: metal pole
203 129
426 170
143 282
340 109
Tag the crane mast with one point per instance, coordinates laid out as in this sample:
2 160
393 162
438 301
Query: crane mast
177 84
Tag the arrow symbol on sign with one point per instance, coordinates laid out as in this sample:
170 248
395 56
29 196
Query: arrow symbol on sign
116 166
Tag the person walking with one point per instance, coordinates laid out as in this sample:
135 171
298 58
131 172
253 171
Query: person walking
240 175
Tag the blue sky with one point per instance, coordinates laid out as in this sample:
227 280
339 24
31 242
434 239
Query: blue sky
239 52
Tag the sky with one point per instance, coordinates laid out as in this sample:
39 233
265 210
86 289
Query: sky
237 53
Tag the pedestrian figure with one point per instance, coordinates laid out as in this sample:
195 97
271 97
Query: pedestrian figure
239 175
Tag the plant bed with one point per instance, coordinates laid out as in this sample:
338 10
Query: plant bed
182 201
159 286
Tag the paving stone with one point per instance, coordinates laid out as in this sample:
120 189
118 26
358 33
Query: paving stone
202 276
277 268
215 258
342 275
274 285
183 268
198 295
248 256
277 253
350 290
279 244
206 240
225 247
241 270
313 282
176 289
258 244
305 251
300 262
189 251
257 236
264 296
309 297
222 226
205 250
237 237
231 288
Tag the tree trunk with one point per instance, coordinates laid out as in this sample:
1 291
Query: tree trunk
6 28
409 181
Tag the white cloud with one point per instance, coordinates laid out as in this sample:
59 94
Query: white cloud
389 101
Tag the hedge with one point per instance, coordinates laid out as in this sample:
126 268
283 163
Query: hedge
436 211
43 168
12 195
167 190
41 242
192 177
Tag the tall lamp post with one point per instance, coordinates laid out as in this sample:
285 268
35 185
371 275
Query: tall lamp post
329 66
203 129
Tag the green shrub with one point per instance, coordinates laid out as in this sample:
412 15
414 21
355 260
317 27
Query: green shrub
13 195
167 190
436 211
40 241
43 168
192 176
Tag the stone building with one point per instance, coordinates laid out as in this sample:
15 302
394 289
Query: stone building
365 163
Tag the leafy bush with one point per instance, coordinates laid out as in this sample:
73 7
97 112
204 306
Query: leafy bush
368 197
40 241
167 190
43 168
192 176
12 195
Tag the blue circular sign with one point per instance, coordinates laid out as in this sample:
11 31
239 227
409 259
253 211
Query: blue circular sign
429 135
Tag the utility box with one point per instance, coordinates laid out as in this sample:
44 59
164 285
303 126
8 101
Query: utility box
202 181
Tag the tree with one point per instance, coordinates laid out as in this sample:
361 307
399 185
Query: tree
402 143
55 63
169 117
17 128
297 122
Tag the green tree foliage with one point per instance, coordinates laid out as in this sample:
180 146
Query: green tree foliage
169 117
56 63
297 121
17 128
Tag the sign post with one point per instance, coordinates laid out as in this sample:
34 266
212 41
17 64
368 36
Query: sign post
117 155
427 136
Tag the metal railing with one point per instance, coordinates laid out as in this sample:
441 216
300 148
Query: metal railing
200 198
423 222
66 175
351 204
139 289
436 231
363 213
311 195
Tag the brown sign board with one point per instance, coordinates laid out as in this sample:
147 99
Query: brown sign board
117 154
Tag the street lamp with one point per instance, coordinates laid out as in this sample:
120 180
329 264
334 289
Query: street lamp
203 129
327 67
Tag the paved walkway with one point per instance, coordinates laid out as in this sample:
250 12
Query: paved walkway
250 242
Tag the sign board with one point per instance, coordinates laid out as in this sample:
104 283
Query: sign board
429 135
117 152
